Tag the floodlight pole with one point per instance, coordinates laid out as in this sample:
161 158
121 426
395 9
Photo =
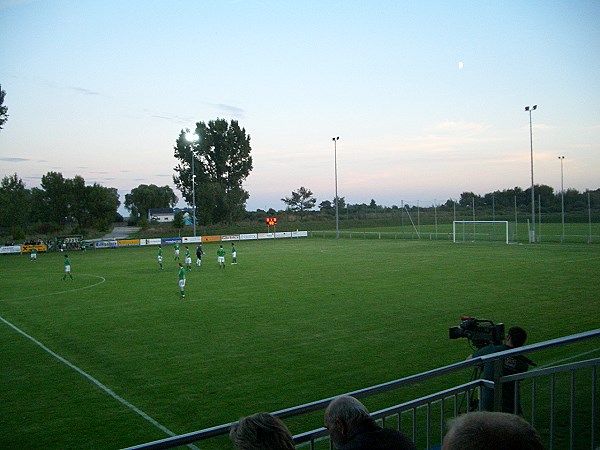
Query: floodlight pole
191 138
532 233
337 217
194 193
562 198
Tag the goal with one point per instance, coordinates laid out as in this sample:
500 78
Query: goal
480 231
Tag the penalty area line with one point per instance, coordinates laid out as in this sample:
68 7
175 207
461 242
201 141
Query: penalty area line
92 379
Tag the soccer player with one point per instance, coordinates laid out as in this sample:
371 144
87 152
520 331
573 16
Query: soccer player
67 268
221 257
33 254
160 257
233 254
182 281
199 253
188 259
176 248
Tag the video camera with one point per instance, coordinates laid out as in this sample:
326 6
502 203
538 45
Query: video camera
478 331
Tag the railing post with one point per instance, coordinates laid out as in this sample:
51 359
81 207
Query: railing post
497 384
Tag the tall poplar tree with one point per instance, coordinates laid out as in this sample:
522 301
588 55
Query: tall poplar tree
222 161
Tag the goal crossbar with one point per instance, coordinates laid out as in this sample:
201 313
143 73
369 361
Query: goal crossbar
475 222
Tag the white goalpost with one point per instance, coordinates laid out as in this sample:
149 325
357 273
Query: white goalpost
480 230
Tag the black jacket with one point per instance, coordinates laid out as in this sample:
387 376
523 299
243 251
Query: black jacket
369 435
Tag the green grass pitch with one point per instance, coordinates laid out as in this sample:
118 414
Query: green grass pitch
295 321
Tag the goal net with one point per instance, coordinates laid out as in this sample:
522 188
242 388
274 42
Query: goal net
480 231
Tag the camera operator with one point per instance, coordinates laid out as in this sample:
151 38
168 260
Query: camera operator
516 337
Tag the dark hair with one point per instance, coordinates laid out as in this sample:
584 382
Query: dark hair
518 336
492 431
261 431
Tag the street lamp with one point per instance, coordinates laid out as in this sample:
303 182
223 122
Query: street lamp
192 138
337 217
532 233
562 198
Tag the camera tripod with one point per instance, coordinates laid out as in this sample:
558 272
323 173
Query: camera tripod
472 406
477 371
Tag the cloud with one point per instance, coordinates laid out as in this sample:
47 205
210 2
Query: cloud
229 109
76 89
81 90
459 127
172 118
9 159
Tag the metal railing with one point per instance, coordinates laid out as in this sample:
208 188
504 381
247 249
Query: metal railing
428 415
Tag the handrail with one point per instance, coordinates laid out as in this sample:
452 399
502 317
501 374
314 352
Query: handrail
222 430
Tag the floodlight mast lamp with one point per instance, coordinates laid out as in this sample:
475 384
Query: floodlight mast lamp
337 215
192 138
532 233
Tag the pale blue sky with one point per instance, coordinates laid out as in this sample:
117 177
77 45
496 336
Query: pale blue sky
101 89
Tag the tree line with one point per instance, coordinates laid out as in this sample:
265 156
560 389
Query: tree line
58 202
302 202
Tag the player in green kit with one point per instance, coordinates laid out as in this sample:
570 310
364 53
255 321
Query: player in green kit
182 281
67 268
176 248
188 259
160 257
221 257
233 254
33 254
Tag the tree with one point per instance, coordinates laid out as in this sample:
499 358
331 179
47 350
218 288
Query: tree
15 202
466 198
3 108
55 200
102 204
326 206
146 197
300 201
178 222
78 203
222 162
62 199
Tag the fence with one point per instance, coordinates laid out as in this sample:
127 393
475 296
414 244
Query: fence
548 233
425 418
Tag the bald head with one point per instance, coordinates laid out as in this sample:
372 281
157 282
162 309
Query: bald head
492 431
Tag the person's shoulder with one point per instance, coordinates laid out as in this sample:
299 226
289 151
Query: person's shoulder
381 438
491 348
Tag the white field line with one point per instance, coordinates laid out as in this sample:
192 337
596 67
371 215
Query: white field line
88 376
102 280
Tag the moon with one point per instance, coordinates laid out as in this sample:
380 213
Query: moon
460 65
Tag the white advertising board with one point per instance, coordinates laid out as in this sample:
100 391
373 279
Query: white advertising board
152 241
192 239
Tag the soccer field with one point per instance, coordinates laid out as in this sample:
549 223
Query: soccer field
114 358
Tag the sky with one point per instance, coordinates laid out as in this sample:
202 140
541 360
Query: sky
427 97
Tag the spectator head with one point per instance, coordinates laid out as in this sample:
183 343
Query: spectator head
517 336
491 431
342 415
261 431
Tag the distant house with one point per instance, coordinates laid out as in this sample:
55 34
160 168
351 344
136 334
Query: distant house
163 215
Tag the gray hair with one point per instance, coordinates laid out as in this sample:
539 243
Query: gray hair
347 409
